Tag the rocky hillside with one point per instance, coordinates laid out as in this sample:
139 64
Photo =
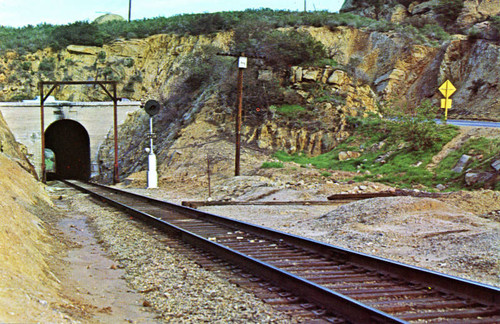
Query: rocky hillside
455 15
297 99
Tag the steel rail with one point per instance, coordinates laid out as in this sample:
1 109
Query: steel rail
307 289
345 306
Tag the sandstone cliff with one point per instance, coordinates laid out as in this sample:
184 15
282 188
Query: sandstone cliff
368 67
392 65
468 13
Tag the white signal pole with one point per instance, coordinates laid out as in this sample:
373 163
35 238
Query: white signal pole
152 173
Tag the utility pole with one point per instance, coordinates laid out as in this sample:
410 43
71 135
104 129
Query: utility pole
242 64
129 9
305 5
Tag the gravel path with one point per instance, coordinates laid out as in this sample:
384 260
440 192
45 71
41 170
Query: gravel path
458 234
176 288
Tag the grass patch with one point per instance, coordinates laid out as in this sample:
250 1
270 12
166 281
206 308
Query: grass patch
388 153
272 165
290 111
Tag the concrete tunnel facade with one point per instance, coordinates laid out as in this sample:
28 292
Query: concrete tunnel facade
70 143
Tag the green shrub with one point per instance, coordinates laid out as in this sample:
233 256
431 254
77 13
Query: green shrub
69 62
416 127
326 174
435 31
404 163
47 65
136 77
101 56
129 62
78 33
280 49
20 97
272 165
449 10
26 66
290 111
129 87
251 22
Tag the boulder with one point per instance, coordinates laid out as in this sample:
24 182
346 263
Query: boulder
399 14
83 50
311 75
423 7
347 155
462 163
338 77
266 75
485 30
440 187
107 18
473 178
496 165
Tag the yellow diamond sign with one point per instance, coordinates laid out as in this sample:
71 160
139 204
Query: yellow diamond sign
447 89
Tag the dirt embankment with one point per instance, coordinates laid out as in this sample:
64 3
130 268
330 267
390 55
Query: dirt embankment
28 289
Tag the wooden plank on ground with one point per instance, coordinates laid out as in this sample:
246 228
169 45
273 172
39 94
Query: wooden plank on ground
196 204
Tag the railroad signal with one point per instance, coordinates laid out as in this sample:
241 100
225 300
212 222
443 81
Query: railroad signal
152 107
447 89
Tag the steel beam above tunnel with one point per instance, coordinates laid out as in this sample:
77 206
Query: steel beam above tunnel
111 94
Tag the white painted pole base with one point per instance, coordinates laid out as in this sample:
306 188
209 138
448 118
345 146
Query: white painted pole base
152 173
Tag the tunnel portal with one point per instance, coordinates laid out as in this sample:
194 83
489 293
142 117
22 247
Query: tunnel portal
70 142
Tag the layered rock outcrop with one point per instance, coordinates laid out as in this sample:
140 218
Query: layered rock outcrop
397 69
472 12
143 67
371 67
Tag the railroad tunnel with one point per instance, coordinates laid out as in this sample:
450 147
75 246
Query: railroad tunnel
70 143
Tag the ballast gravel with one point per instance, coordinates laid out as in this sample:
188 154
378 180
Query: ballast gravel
174 287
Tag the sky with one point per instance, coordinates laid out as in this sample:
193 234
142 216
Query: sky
19 13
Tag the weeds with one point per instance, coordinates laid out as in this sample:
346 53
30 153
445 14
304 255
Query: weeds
272 165
33 38
392 151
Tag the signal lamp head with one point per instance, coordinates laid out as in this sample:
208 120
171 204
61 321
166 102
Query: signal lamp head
152 107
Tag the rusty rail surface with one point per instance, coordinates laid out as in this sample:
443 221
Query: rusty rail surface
353 286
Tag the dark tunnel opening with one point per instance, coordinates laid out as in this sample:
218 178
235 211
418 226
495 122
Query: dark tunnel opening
70 142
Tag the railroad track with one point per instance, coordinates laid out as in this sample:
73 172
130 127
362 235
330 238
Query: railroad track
345 286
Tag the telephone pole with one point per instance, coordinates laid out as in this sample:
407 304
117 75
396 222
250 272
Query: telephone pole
129 9
242 64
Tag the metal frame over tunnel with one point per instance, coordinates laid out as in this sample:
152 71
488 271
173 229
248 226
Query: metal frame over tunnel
112 95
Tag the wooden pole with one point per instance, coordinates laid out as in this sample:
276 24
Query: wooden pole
42 125
239 111
238 123
115 124
208 176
